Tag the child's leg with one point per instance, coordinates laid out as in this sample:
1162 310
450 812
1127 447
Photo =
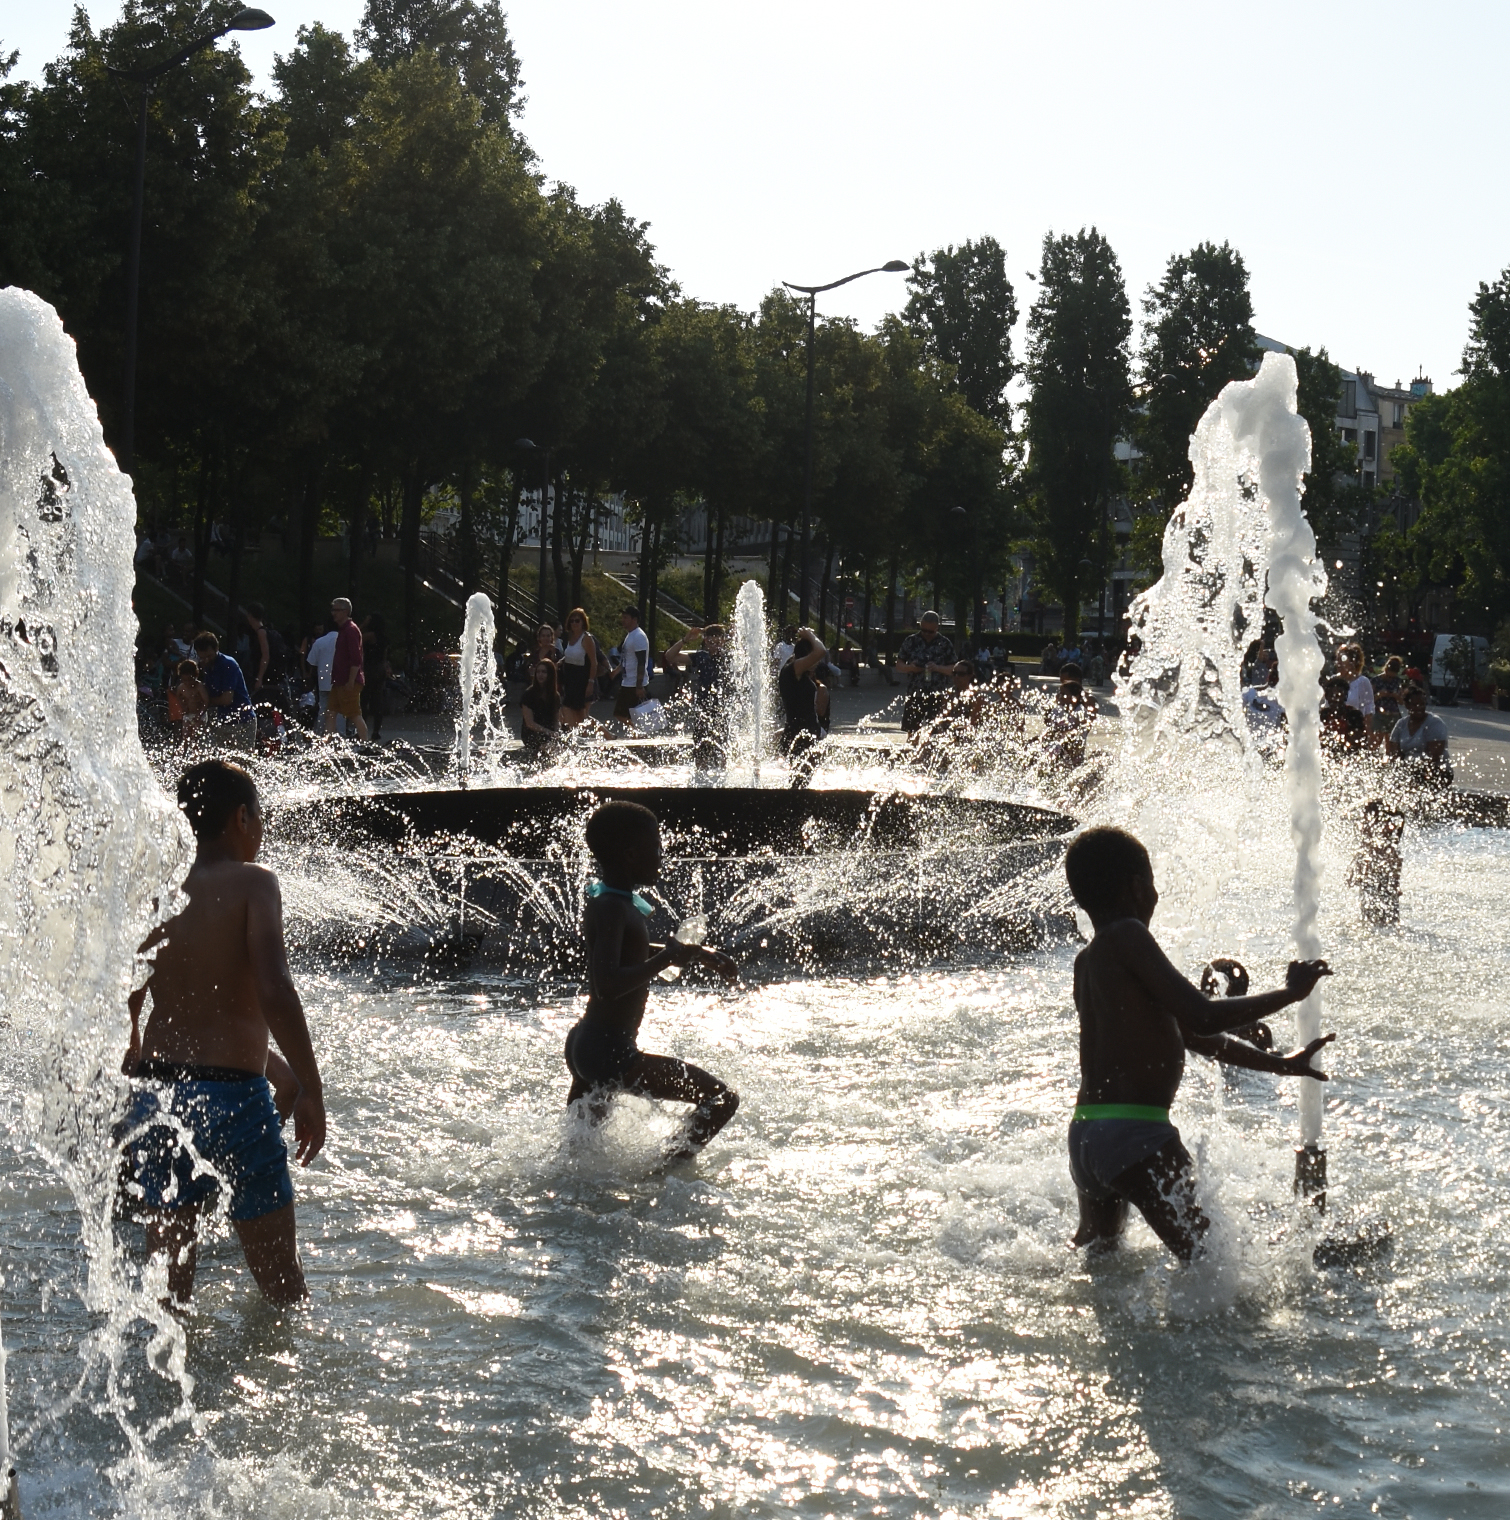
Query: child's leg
1162 1189
676 1081
599 1097
1102 1220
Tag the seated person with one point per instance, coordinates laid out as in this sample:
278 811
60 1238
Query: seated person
540 710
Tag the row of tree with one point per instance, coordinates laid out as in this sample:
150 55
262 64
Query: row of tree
362 288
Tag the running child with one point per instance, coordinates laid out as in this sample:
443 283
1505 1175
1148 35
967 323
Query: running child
1138 1017
602 1053
221 988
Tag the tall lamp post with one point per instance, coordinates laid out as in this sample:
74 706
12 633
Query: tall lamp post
812 292
242 21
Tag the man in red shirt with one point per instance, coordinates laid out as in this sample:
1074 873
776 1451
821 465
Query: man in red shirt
346 678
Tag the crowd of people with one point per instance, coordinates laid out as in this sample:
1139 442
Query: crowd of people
252 694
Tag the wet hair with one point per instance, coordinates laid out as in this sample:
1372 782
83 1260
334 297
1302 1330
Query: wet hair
206 640
1071 670
617 827
802 647
188 670
716 629
579 612
210 792
1101 864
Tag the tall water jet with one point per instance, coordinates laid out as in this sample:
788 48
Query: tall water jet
90 846
751 675
479 676
1262 415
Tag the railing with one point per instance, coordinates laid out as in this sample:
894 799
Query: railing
440 569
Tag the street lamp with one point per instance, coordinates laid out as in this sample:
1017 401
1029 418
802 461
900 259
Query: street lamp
812 292
242 21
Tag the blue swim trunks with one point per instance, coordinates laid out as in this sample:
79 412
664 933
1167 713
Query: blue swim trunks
232 1125
1101 1149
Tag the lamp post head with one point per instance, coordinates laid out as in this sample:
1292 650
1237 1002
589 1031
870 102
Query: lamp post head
894 266
250 21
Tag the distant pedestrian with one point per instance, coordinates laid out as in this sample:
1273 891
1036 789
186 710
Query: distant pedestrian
378 665
346 671
577 669
321 657
805 703
634 666
927 660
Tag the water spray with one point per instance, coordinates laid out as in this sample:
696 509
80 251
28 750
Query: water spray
477 683
751 664
1262 415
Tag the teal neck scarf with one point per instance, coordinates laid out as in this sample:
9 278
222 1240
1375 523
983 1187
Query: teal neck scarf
601 889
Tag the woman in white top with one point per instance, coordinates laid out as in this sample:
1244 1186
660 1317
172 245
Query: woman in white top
1420 740
1360 690
578 669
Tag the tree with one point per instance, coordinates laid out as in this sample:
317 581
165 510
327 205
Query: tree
469 37
963 308
1332 496
1080 371
1197 336
1456 461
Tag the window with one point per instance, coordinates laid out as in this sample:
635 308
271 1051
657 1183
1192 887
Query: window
1368 444
1350 435
1349 407
1399 414
1368 480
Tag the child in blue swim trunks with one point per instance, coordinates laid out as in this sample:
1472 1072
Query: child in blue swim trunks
1138 1017
602 1049
209 1095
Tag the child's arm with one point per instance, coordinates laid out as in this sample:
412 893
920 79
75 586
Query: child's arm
613 978
1232 1052
1195 1013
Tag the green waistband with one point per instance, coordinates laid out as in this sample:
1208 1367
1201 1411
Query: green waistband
1121 1111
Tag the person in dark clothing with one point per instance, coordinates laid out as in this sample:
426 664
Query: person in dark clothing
379 667
805 703
712 688
926 658
540 710
602 1047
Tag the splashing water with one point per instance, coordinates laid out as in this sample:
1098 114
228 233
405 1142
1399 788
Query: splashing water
751 678
90 845
479 681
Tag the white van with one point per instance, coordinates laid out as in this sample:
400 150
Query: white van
1449 663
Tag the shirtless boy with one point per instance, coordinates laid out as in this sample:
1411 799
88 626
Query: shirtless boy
601 1050
220 987
1138 1017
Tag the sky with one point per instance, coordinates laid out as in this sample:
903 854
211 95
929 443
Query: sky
1354 154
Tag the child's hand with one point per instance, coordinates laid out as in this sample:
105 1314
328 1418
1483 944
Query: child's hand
1298 1062
1302 977
716 960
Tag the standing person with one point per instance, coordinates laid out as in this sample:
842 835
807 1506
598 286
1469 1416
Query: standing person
602 1047
926 658
203 1071
1360 690
805 703
539 710
259 646
233 720
1138 1017
321 657
1387 686
578 669
187 701
712 693
378 664
634 665
346 673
